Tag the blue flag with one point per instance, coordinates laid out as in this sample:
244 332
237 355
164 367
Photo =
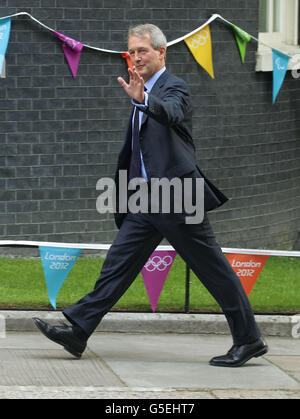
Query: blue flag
57 263
4 37
280 65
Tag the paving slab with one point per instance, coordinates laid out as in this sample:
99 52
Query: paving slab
144 366
52 367
182 361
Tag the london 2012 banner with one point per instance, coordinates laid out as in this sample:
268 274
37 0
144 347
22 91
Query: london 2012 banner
247 267
57 263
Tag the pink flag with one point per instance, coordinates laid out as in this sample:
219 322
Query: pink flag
155 273
72 50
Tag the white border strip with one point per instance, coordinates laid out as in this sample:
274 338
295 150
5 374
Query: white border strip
86 246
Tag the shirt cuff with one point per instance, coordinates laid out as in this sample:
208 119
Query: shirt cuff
141 106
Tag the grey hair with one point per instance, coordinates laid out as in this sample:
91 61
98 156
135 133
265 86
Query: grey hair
157 38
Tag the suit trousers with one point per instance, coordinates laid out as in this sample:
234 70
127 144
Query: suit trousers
137 238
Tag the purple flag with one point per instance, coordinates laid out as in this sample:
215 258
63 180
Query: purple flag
72 50
155 273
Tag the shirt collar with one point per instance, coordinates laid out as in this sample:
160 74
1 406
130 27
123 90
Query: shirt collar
150 83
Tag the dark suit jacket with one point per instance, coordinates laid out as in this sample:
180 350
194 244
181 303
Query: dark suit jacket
166 139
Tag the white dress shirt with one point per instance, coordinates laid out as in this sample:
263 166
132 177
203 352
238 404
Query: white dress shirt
142 107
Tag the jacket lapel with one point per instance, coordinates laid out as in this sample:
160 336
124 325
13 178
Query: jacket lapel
144 118
126 148
156 90
159 83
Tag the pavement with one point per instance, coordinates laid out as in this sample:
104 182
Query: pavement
144 356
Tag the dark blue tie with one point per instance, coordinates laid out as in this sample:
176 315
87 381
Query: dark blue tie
135 163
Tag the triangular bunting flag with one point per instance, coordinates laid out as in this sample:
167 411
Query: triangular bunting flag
72 50
57 263
242 39
200 46
127 58
247 268
5 25
155 273
280 65
3 72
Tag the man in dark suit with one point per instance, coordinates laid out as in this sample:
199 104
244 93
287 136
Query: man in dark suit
158 145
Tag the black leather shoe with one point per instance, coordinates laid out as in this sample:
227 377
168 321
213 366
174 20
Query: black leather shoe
239 354
63 335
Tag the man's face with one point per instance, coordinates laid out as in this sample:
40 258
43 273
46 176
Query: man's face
144 57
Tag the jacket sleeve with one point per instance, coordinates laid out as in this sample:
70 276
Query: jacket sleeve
171 107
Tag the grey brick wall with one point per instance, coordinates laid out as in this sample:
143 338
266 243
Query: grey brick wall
59 135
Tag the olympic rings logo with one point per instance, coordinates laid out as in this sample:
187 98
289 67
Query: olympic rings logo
159 263
199 39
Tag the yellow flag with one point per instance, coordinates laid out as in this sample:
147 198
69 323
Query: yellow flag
200 46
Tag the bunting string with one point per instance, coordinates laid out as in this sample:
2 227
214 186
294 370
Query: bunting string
175 41
54 31
198 42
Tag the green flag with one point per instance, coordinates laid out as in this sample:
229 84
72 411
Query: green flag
242 39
